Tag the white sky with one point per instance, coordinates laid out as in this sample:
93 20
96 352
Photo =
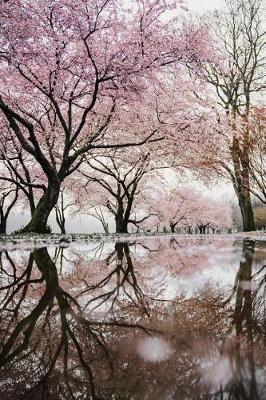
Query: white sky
204 5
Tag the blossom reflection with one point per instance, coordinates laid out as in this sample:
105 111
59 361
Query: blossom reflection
93 321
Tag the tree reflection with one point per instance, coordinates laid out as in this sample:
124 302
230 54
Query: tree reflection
245 298
47 332
118 285
71 321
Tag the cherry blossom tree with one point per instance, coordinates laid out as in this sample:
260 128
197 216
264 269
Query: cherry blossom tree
121 179
213 215
8 199
175 207
64 204
71 73
238 80
17 168
90 200
18 185
125 176
99 213
188 209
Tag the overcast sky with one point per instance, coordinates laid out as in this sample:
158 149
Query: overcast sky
205 5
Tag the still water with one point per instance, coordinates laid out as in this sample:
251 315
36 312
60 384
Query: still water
149 319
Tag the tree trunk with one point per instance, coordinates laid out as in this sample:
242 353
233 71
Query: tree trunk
106 228
121 225
63 229
201 230
32 206
3 226
172 227
246 212
120 220
30 197
38 223
60 219
241 181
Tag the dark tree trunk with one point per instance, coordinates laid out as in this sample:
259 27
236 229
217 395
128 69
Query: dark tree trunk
121 225
120 219
172 227
32 204
3 226
202 229
247 213
63 229
38 223
241 181
60 219
105 226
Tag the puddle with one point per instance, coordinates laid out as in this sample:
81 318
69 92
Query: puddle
162 318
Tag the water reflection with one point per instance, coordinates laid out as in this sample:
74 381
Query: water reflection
157 319
234 370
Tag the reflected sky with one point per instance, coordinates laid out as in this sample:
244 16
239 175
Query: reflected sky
161 318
